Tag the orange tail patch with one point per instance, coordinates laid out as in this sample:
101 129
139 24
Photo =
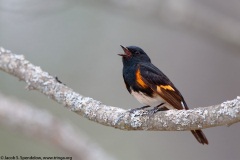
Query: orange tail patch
166 87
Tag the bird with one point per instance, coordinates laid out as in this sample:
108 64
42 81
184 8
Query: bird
150 86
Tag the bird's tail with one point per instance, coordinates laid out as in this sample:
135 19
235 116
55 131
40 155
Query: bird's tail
199 135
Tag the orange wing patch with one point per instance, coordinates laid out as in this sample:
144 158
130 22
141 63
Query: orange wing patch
166 87
139 79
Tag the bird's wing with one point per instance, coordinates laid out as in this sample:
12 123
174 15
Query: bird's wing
158 82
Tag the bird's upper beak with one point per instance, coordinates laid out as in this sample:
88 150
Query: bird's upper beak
127 53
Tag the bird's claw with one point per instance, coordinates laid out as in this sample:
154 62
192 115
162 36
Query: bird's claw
157 109
137 109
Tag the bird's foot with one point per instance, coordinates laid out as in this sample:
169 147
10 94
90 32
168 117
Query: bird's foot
130 111
136 109
157 109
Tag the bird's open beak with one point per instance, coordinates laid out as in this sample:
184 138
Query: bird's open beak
127 53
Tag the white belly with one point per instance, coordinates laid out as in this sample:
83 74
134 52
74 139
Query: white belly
151 101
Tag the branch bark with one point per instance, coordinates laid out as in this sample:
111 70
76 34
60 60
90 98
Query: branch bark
225 113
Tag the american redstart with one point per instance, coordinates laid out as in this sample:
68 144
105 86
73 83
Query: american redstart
150 86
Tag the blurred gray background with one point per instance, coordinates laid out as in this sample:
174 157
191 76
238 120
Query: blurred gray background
195 44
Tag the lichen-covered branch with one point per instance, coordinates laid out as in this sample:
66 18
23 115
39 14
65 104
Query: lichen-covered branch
41 124
173 120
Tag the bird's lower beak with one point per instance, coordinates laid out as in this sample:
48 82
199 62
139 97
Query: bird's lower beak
127 53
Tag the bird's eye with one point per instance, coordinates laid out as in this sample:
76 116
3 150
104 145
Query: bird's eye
137 52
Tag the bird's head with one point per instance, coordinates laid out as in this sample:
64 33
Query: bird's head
133 54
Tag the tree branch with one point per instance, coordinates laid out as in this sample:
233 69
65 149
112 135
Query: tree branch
40 123
173 120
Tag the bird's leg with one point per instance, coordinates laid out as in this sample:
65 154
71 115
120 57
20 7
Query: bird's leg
158 108
136 109
131 111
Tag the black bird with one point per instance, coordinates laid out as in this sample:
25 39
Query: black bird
150 86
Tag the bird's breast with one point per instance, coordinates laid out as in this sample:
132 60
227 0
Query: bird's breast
152 101
145 99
